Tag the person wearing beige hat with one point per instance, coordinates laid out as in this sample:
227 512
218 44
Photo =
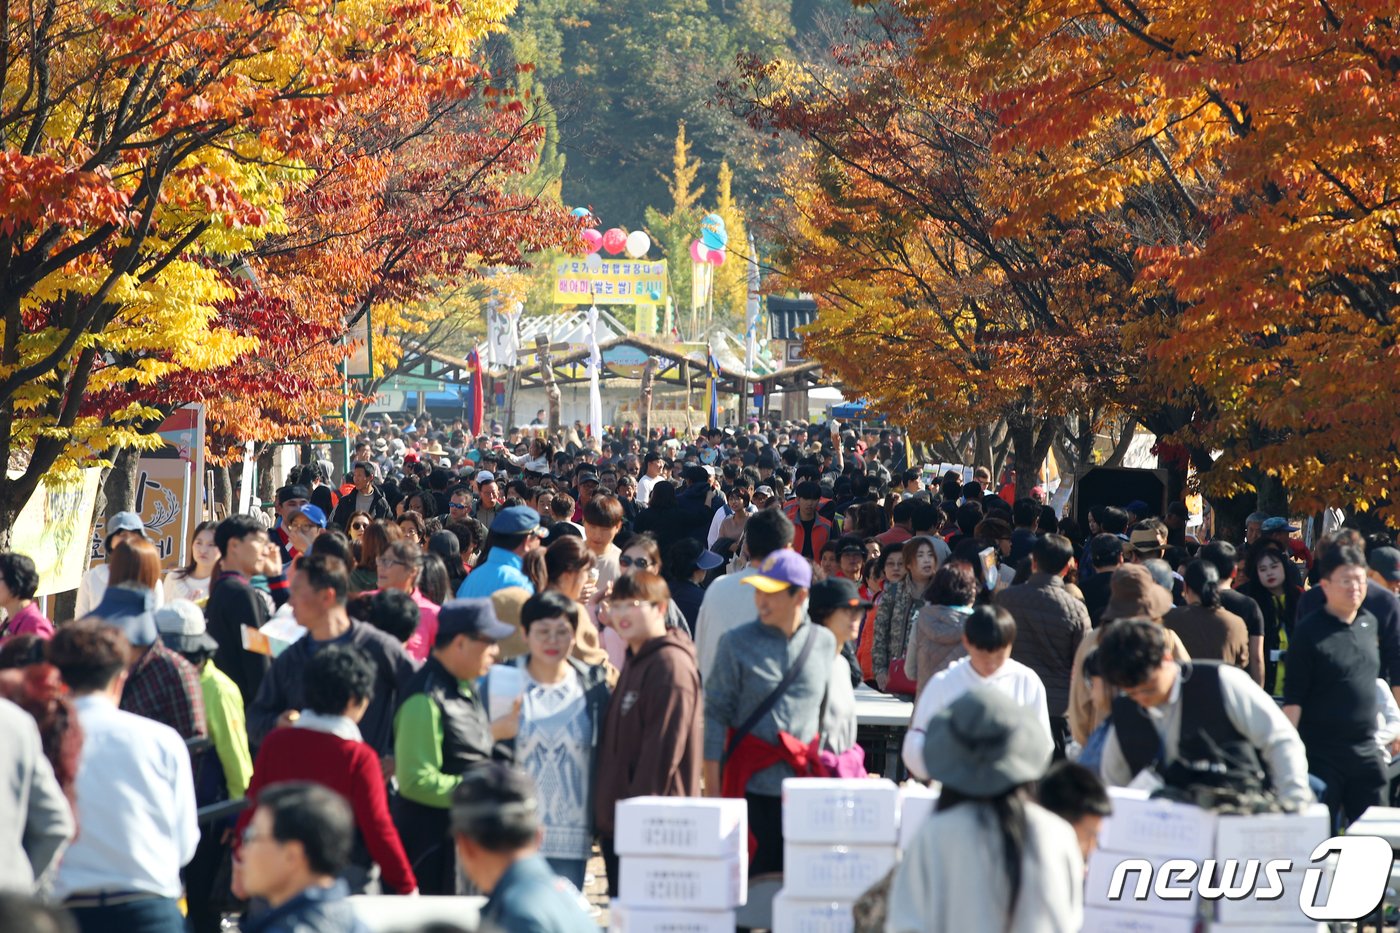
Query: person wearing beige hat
1133 594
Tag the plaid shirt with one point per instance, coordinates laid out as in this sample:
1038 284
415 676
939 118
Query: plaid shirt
165 687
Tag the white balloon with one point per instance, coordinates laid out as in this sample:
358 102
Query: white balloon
594 262
638 244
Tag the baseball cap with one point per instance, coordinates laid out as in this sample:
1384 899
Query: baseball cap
516 520
475 618
588 477
288 493
1386 562
1145 539
1276 524
486 476
182 627
780 570
852 547
835 593
764 491
125 521
313 514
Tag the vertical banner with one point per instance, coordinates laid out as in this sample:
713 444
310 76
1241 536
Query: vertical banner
502 334
164 492
53 529
712 367
477 413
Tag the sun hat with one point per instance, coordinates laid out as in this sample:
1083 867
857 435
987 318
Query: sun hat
985 743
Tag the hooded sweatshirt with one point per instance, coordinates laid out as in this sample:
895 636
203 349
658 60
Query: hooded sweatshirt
652 740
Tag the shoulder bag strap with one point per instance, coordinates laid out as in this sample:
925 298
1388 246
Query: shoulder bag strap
771 700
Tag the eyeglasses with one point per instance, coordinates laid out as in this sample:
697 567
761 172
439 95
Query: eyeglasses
562 633
625 603
359 526
388 562
251 835
641 563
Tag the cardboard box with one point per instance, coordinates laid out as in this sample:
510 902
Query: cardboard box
623 918
816 915
689 827
834 872
1264 837
849 811
1158 828
1102 866
1115 920
691 883
916 804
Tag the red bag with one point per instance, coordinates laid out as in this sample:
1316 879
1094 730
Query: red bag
898 682
865 651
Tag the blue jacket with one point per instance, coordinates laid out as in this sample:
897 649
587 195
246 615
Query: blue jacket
501 569
315 910
131 611
530 898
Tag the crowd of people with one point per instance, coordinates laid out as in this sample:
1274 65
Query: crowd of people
504 635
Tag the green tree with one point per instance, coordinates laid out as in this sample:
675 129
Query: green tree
674 230
731 279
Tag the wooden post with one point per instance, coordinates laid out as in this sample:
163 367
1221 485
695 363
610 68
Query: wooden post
551 390
648 378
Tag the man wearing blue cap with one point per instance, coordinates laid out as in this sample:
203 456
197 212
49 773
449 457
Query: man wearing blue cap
514 532
119 528
441 732
763 700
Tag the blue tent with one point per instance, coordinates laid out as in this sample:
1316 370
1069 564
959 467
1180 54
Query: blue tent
854 409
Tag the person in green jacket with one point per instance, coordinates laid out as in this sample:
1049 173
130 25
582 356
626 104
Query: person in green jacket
441 731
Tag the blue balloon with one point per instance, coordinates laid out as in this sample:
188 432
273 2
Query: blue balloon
581 212
712 222
714 239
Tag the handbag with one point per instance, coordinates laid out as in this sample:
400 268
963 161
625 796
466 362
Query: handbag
897 681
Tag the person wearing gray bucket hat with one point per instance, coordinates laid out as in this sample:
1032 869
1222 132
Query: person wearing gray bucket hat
989 859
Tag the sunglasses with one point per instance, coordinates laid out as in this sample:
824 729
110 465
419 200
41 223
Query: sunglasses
455 506
641 563
359 526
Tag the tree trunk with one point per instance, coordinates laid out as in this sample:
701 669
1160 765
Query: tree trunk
120 485
982 446
648 385
551 389
266 481
222 492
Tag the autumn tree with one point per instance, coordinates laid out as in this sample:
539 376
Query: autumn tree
675 229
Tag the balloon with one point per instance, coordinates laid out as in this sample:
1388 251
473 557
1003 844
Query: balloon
638 244
698 251
716 257
712 222
580 212
594 262
593 238
614 240
714 241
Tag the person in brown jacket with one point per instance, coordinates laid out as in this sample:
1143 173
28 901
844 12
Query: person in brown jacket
652 740
1205 627
1133 594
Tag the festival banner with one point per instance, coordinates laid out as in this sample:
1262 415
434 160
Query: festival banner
52 528
612 282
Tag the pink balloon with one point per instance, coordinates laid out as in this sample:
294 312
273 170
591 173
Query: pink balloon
717 257
593 238
698 251
614 241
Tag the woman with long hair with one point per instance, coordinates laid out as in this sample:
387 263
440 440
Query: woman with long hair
413 527
889 570
376 540
192 580
1276 584
130 599
359 524
987 834
448 548
895 615
568 565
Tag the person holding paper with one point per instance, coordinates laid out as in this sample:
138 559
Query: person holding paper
562 704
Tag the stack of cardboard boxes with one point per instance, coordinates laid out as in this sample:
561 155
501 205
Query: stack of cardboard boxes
840 837
683 863
1156 832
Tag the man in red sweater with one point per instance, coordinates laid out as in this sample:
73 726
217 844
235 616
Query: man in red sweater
324 746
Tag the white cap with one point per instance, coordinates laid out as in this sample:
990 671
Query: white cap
486 476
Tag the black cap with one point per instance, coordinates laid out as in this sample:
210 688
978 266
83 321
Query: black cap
475 618
835 593
851 547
